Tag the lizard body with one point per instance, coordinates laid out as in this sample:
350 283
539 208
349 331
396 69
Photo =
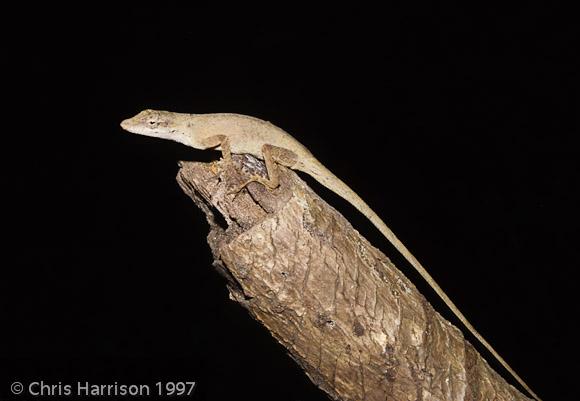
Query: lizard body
236 133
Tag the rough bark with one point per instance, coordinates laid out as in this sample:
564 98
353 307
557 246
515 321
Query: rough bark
356 325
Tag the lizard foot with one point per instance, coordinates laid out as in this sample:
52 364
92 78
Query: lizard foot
255 178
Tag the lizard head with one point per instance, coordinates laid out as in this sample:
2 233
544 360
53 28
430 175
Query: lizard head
156 123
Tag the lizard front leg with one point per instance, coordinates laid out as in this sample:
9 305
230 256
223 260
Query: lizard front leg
221 141
272 156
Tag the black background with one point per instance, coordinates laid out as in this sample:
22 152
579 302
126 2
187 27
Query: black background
458 126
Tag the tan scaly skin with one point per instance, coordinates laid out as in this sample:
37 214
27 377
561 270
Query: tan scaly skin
238 134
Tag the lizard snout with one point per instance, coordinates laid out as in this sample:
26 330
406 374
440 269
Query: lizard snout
126 124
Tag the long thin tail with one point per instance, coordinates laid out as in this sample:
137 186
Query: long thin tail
324 176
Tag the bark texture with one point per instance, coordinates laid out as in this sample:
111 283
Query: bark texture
356 325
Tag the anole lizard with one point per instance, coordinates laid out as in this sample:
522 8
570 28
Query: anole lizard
236 133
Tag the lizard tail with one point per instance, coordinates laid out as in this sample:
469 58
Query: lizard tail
314 168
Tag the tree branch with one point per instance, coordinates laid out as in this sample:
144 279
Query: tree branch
356 325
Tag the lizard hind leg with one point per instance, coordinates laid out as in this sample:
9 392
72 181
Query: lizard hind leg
272 156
